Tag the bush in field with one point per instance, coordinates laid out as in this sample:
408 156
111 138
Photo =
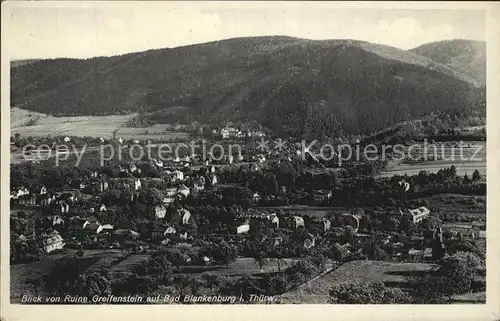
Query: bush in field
367 292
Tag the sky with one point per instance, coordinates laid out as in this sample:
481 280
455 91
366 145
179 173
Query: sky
89 29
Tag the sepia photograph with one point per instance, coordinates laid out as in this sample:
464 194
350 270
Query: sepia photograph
237 153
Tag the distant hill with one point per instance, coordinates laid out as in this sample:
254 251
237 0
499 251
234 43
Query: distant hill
17 63
293 86
466 56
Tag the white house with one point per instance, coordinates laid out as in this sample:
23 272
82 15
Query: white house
214 179
274 219
137 184
183 190
326 224
418 214
53 242
67 139
170 230
186 215
178 176
298 221
243 229
224 133
160 212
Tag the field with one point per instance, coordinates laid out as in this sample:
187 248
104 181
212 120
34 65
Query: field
155 132
94 126
390 273
127 265
241 267
460 204
20 274
466 164
317 291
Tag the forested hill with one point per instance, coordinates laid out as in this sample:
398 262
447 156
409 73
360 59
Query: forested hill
287 84
466 56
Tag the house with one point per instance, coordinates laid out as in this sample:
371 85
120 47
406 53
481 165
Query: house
321 195
233 132
70 196
199 184
19 192
244 228
121 235
107 227
177 176
43 190
103 185
214 179
52 242
67 139
349 219
54 220
120 140
160 212
183 191
158 163
158 232
102 208
132 168
418 214
224 133
310 241
61 207
170 194
274 219
137 184
256 197
297 221
181 217
322 223
27 200
94 228
45 199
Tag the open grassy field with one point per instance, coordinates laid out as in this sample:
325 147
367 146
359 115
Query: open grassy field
317 291
94 126
127 265
466 160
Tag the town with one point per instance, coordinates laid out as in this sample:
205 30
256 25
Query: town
264 222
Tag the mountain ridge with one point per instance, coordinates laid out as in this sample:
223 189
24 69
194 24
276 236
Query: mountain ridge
282 82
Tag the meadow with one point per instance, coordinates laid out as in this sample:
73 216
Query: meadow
472 159
28 123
